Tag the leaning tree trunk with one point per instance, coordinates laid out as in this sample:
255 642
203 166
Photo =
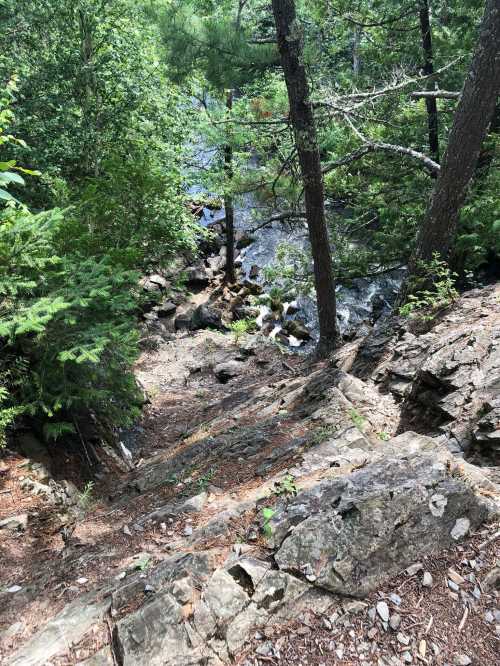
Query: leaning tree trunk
228 203
430 102
470 124
301 114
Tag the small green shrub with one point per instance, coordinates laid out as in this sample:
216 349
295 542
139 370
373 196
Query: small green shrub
357 419
322 434
203 481
267 514
242 326
286 486
85 497
424 303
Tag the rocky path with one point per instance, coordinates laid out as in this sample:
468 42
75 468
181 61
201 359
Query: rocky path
277 511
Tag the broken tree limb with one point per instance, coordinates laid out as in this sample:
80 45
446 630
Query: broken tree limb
436 94
373 146
397 86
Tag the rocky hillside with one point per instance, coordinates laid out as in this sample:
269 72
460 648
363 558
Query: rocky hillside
274 511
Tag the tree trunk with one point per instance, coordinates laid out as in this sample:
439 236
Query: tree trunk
301 114
430 102
470 124
356 60
228 203
90 96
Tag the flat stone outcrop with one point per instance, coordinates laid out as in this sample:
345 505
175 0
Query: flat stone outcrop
65 629
350 534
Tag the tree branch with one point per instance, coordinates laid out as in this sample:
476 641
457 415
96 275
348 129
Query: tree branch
351 157
377 24
262 40
372 146
435 94
280 217
362 97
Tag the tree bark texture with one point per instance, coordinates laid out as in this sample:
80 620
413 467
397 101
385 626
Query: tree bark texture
289 39
230 275
470 124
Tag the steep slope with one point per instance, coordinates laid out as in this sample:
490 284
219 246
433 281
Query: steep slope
266 493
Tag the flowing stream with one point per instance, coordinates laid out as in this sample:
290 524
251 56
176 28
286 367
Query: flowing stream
358 303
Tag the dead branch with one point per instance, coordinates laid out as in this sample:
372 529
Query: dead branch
372 146
435 94
280 217
361 98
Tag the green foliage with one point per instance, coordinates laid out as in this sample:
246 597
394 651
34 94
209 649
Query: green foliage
241 327
291 270
210 38
69 320
425 303
85 497
104 127
286 486
267 514
358 420
133 212
203 481
322 434
67 331
57 429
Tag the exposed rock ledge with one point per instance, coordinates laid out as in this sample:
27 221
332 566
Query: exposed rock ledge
364 505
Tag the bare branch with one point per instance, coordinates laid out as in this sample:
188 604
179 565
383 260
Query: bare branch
361 98
351 157
372 146
283 121
263 40
377 24
429 164
284 165
435 94
280 217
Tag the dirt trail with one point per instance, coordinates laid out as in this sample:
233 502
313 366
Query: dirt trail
187 402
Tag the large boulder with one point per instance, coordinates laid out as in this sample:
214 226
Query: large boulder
154 635
183 320
65 629
487 431
245 312
197 276
446 376
206 316
298 329
165 309
226 371
243 240
154 282
352 533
